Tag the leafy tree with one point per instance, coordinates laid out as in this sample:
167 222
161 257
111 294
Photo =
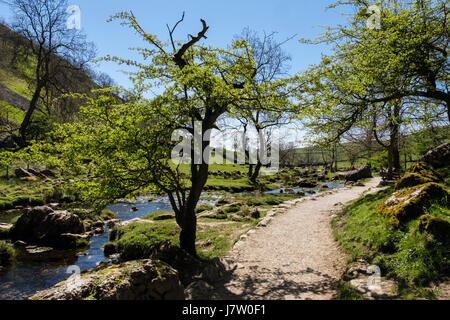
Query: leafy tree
385 78
126 147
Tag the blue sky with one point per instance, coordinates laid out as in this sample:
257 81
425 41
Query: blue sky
225 18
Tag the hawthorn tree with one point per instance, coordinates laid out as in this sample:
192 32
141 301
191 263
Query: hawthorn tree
126 147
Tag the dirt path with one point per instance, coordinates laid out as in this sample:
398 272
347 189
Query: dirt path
295 255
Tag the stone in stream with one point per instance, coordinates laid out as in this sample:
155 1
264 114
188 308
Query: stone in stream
133 280
46 227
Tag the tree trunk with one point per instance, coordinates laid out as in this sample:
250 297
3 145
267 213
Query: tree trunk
390 162
188 226
394 137
188 219
250 171
255 174
33 104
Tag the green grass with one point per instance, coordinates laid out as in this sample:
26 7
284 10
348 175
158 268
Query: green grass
217 239
15 83
10 113
134 241
18 193
412 258
348 292
158 214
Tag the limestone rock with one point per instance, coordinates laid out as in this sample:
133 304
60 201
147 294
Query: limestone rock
44 226
361 173
133 280
439 228
407 204
438 157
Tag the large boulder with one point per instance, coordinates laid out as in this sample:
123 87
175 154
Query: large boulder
420 173
44 226
355 175
438 157
132 280
408 204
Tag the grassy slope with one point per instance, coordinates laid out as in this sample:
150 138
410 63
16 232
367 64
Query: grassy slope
414 259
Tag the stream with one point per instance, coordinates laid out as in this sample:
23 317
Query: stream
35 272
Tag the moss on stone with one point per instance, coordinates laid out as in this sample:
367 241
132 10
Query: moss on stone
425 170
407 204
109 248
411 179
438 228
7 253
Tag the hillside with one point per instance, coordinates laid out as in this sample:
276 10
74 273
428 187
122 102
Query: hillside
16 83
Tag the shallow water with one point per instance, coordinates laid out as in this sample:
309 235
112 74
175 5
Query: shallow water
34 273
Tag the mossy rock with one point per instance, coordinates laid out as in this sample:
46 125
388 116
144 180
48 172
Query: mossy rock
426 171
110 248
438 228
135 240
408 204
411 179
107 215
7 253
82 243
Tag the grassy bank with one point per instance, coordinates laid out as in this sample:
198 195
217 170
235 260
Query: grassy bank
412 257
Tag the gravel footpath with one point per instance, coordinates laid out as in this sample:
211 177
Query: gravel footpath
292 255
